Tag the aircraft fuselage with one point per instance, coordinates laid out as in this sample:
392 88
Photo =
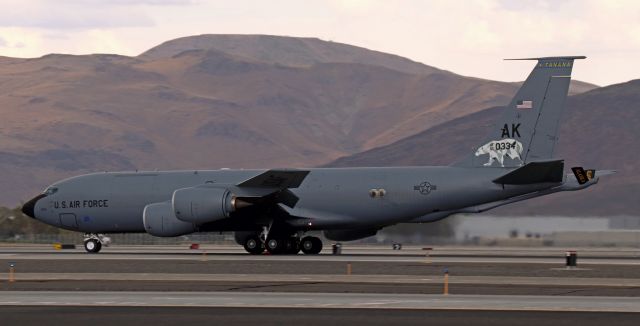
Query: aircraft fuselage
330 198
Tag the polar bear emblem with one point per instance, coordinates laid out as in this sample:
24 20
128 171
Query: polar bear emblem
498 149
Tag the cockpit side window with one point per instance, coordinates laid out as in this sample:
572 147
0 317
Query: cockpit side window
50 191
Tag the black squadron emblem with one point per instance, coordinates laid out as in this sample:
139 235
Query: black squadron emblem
425 188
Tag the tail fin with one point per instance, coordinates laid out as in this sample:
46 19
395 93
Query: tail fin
528 129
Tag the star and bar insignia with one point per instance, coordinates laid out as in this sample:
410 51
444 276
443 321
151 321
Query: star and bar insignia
425 188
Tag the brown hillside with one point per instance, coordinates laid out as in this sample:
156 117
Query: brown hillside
288 51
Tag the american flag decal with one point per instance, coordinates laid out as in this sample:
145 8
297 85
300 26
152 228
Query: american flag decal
524 104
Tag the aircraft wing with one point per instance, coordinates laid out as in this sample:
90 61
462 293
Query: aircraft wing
271 186
279 179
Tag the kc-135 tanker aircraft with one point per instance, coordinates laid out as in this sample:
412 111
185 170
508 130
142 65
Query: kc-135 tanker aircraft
273 210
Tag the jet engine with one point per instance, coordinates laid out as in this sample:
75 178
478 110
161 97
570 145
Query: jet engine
202 205
349 234
159 221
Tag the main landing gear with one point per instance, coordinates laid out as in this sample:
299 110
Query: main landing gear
278 244
311 245
253 245
93 242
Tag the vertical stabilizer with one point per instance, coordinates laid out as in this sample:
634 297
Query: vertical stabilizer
528 129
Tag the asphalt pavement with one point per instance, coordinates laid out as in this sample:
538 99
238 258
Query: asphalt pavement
160 316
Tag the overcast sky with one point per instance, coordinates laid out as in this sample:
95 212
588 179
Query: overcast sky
466 37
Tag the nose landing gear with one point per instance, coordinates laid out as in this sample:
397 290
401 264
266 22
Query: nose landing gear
93 242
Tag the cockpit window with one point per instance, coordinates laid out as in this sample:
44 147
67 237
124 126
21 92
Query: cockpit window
50 191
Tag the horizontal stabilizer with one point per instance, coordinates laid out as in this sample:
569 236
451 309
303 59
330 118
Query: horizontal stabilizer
534 172
280 179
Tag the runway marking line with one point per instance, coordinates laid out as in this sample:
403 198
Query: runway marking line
334 306
292 279
355 301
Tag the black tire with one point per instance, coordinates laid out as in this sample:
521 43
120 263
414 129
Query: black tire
311 245
275 245
92 246
317 247
253 245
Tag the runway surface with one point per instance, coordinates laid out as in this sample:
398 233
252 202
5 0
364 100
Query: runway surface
320 265
502 284
373 270
356 253
319 300
160 316
356 284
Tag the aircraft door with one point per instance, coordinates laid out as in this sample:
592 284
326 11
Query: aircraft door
68 220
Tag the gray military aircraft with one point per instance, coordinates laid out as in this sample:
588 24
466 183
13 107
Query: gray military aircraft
274 209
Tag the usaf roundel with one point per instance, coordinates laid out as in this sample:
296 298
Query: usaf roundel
425 188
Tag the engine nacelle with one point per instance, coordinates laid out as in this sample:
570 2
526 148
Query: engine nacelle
159 221
349 234
202 205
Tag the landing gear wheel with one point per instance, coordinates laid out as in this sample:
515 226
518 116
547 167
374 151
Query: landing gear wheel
92 246
276 245
311 245
253 245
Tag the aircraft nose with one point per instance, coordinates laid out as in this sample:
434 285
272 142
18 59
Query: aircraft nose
29 207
